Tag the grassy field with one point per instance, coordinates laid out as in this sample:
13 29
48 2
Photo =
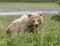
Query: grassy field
48 33
28 4
19 6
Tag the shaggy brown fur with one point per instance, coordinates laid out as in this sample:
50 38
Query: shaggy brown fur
27 22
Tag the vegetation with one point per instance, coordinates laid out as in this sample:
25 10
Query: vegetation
27 6
58 2
48 33
27 0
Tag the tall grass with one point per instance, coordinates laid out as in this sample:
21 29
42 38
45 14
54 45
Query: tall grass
48 34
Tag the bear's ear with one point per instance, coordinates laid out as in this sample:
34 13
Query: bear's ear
29 15
40 13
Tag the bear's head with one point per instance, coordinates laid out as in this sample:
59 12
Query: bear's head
35 19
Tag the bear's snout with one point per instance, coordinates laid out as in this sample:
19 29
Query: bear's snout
36 25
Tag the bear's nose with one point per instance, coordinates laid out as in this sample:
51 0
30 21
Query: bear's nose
36 25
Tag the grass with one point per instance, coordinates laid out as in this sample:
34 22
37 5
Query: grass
6 6
48 33
28 4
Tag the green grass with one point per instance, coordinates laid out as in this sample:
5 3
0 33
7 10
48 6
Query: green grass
18 6
28 4
48 33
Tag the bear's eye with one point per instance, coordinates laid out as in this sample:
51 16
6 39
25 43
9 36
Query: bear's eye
33 20
38 20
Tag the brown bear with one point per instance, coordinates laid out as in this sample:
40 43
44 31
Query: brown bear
28 22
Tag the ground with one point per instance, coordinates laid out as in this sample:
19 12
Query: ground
48 34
